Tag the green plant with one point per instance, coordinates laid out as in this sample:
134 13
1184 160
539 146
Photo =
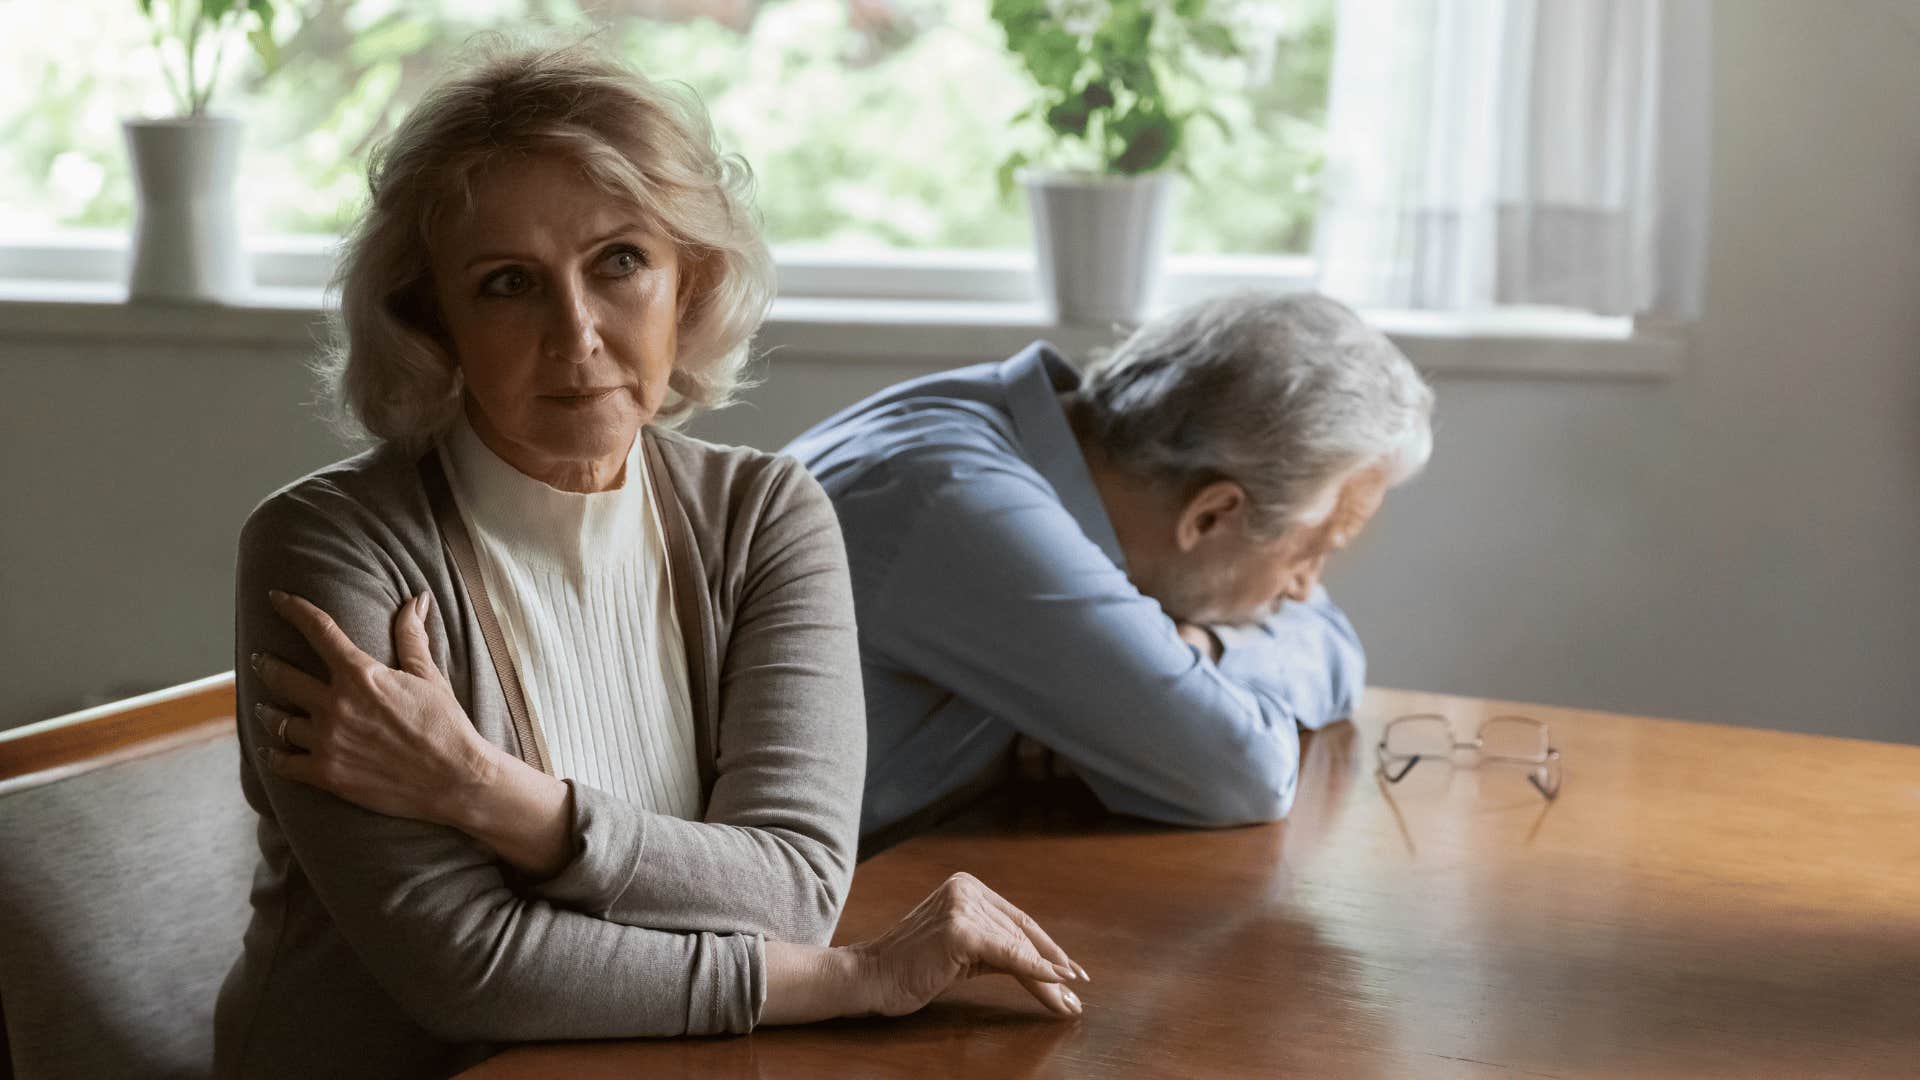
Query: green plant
1111 77
190 38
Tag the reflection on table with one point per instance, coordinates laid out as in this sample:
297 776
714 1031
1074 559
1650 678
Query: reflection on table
1699 901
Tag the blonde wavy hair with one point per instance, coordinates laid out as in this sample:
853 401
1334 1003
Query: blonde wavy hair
391 374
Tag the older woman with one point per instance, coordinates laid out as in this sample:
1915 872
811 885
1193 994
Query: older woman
556 715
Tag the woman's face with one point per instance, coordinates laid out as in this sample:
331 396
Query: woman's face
561 305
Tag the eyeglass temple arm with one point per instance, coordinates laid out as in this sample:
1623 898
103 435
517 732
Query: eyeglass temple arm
1395 776
1534 774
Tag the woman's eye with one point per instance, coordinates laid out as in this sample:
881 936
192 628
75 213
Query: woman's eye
508 282
621 262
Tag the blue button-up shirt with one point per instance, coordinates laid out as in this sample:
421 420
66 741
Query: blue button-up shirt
993 601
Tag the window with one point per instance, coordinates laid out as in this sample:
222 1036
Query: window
873 125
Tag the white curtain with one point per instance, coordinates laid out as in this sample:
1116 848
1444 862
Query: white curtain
1491 152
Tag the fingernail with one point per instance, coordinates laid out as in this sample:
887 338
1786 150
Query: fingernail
1073 1000
1065 972
1084 977
260 711
264 754
276 595
426 604
254 661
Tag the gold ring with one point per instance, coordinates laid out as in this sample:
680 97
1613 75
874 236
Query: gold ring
281 732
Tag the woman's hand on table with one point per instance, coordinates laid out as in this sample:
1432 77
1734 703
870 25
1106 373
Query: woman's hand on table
962 930
397 742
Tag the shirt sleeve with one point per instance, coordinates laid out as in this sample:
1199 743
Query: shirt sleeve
1307 652
775 853
428 911
998 595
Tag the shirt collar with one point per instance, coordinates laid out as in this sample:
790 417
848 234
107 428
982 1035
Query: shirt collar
1033 379
541 524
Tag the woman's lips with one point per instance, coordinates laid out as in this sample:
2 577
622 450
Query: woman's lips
582 398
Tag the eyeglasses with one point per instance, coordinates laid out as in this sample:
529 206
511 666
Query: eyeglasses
1506 740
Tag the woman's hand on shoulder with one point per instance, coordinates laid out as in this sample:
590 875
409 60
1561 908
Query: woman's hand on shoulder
391 740
962 930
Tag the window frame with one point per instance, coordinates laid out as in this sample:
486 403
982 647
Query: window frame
850 307
99 257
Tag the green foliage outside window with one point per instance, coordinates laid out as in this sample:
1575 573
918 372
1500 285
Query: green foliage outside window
1109 75
871 124
190 39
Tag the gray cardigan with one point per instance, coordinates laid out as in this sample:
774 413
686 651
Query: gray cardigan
384 946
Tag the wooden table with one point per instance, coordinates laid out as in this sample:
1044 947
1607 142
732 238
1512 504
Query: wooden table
1700 901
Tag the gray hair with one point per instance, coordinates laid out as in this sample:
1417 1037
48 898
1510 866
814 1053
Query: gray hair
391 373
1287 396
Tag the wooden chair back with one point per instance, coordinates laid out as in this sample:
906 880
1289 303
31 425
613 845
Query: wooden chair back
125 860
94 738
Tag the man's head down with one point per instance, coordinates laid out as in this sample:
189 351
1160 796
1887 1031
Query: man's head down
1239 441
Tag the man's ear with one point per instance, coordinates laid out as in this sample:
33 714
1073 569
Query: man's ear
1221 505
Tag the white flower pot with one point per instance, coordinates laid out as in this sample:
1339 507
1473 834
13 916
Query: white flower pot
186 236
1099 242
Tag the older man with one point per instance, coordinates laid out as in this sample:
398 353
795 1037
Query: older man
1123 567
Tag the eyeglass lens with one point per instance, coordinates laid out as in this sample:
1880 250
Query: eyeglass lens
1420 736
1513 737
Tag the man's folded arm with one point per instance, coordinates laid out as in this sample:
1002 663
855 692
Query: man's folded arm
1307 653
999 596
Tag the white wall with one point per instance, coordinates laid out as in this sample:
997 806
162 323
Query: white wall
1741 543
1738 543
127 470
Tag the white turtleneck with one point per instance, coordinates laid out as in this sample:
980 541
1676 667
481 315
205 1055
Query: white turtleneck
579 582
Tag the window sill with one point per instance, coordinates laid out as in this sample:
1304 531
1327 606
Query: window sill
1511 344
97 311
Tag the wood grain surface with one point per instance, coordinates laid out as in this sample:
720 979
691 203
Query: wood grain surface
69 745
1700 901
